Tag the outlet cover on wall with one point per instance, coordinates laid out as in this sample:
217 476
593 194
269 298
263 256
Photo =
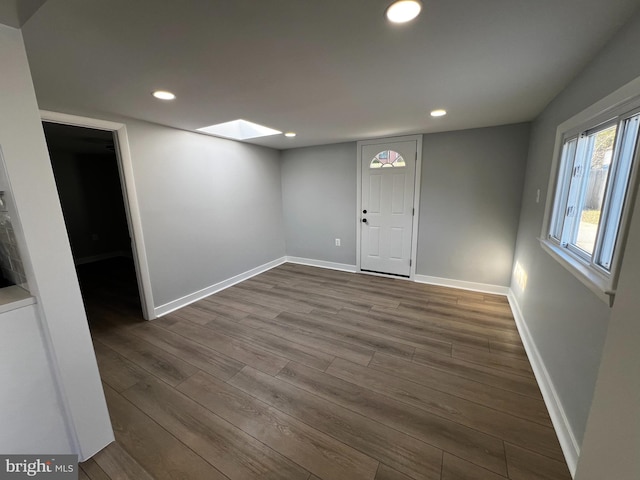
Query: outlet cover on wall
337 242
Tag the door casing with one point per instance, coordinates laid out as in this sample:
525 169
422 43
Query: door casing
132 209
416 199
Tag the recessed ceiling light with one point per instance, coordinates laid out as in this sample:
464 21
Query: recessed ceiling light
163 95
290 134
403 11
438 113
239 130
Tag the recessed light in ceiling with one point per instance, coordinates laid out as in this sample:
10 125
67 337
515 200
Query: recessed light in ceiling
290 134
438 113
239 130
163 95
403 11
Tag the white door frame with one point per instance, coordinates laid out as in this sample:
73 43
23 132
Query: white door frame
130 197
416 197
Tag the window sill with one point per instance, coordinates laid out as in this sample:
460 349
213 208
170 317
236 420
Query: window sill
593 280
14 297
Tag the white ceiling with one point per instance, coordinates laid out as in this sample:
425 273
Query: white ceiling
331 70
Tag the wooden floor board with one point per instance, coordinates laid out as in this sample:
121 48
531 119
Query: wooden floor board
494 360
313 374
387 473
228 448
116 371
425 327
329 345
480 448
527 465
426 318
194 353
541 439
524 385
455 468
243 352
507 401
306 446
405 453
283 347
316 324
154 360
362 323
151 446
115 462
92 471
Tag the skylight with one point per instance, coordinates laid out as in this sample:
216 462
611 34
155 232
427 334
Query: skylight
239 130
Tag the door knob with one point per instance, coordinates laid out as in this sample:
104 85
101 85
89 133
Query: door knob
364 211
364 220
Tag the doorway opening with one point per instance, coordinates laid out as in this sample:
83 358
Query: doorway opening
89 166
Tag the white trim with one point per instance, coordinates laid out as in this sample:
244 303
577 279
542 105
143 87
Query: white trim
563 429
322 264
626 98
598 284
462 284
205 292
416 194
132 208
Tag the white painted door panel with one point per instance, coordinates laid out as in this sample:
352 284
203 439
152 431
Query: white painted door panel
388 183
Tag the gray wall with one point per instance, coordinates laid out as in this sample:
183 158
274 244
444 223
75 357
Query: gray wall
211 208
319 202
567 322
470 203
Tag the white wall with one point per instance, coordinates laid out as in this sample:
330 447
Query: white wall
31 414
568 323
60 318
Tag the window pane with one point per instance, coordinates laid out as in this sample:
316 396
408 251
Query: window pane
562 190
600 154
618 190
387 158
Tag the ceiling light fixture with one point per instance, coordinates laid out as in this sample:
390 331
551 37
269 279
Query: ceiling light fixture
163 95
239 130
403 11
438 113
290 134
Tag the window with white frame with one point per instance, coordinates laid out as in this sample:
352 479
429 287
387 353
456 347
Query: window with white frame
593 188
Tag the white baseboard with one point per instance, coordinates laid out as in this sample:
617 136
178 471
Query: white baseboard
567 439
322 264
464 285
205 292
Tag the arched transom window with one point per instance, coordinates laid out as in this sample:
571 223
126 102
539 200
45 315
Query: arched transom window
387 158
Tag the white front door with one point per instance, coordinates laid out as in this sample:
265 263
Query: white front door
388 172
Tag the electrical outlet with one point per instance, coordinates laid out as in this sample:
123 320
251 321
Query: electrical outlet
538 196
337 242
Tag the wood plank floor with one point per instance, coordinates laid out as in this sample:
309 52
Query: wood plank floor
312 374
